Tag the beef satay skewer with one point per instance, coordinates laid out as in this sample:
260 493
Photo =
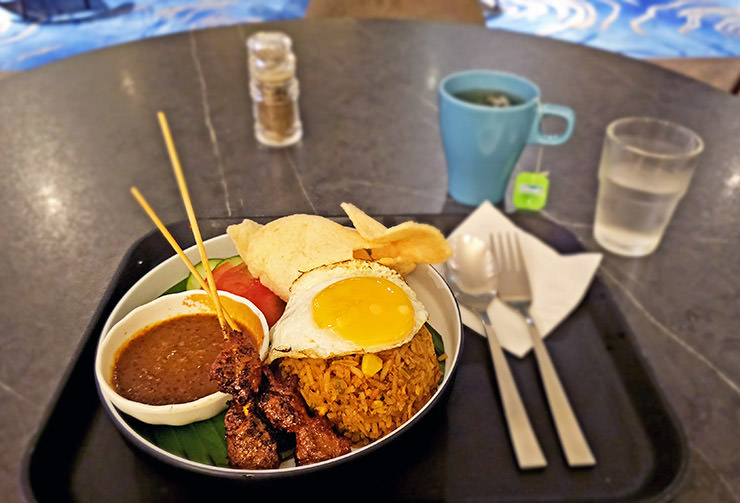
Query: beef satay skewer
243 448
223 315
189 209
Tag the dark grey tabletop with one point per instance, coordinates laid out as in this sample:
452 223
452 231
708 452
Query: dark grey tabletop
77 134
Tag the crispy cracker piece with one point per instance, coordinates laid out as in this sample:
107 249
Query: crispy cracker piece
367 226
402 245
241 234
278 252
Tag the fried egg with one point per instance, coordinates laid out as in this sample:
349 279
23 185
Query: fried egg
348 307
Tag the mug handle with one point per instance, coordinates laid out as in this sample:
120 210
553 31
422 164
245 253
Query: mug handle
537 137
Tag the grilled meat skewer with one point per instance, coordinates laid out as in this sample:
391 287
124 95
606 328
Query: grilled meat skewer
285 408
238 367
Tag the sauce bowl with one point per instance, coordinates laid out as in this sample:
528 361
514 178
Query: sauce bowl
169 306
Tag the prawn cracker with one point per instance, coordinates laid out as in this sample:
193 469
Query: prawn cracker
401 246
280 251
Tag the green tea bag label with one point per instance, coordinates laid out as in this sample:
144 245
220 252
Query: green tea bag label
530 191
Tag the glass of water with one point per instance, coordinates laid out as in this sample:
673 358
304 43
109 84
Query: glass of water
645 169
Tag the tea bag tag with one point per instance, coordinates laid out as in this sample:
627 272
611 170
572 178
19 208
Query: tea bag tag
531 189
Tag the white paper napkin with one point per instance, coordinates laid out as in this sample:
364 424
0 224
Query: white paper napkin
558 281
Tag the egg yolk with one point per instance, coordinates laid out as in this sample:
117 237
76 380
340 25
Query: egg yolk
365 310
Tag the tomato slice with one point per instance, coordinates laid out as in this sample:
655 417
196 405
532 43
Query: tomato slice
236 279
270 304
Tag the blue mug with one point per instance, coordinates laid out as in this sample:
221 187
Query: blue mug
482 143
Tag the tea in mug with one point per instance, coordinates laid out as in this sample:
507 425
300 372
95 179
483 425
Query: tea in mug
489 97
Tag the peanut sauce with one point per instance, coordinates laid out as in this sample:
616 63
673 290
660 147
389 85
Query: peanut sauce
168 362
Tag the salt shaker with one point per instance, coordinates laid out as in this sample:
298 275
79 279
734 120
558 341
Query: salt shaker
274 89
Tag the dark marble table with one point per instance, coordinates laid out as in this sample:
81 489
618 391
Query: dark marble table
77 134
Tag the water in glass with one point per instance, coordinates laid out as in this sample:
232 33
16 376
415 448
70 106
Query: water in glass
634 206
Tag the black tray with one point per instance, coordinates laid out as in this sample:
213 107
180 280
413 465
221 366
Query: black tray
458 451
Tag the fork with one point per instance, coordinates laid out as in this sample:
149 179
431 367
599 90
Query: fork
515 291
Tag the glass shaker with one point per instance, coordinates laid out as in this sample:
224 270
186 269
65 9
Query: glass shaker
274 89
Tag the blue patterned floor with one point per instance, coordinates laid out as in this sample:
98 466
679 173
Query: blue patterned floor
637 28
25 45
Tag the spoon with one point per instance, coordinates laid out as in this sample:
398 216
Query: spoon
471 274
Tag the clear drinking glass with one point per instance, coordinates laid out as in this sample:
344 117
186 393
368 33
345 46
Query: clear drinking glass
645 169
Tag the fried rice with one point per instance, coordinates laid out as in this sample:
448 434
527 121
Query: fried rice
367 408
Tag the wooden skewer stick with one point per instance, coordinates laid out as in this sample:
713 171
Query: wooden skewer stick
175 246
189 209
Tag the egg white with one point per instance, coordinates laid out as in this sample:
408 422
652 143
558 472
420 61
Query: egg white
297 335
